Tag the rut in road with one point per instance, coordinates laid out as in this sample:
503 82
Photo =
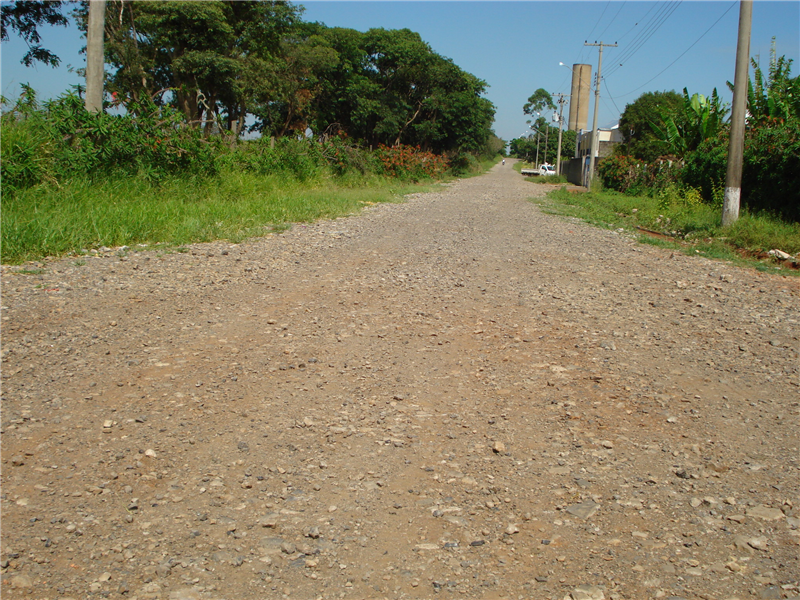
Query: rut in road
458 395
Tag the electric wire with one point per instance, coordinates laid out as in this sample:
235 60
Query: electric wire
644 36
598 20
655 23
681 55
600 35
624 35
610 97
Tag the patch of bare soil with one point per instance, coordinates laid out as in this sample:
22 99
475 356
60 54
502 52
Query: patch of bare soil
457 397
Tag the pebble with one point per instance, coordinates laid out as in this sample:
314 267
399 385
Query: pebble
21 581
588 592
765 513
584 511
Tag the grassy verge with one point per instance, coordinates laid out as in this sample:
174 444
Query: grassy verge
80 215
693 229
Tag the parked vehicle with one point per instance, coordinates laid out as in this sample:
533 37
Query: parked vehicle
547 169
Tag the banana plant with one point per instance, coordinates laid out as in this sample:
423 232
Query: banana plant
774 95
700 119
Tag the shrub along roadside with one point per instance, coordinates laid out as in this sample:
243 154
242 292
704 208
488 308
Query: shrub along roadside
770 170
686 224
61 140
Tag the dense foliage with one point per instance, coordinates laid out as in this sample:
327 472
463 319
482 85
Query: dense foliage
633 176
525 147
229 66
638 127
683 145
60 139
221 62
770 169
187 82
53 142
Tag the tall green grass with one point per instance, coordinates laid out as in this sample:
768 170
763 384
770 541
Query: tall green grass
691 226
83 214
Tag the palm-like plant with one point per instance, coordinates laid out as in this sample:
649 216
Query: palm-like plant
700 120
774 96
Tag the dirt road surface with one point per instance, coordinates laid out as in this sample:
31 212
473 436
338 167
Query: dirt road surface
457 396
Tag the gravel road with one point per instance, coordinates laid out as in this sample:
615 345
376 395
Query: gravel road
456 396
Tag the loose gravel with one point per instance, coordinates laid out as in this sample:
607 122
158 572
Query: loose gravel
456 396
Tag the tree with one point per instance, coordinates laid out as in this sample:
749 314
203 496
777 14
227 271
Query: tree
286 103
25 17
539 101
198 51
640 139
389 87
525 148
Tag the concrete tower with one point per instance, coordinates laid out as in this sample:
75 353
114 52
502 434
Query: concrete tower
579 101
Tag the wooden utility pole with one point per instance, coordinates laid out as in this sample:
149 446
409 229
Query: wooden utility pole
733 177
595 144
95 60
561 100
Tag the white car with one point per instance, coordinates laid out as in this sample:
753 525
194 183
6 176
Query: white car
547 169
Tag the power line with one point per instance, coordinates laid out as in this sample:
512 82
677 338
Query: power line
624 35
598 20
682 54
644 36
612 20
610 97
650 29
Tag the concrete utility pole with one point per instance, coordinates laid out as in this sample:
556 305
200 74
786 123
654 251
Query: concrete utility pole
733 177
94 55
546 135
561 100
595 144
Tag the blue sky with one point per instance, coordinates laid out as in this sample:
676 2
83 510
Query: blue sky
516 46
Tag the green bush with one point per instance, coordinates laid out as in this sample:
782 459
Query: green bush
26 155
632 176
770 169
299 159
620 173
61 139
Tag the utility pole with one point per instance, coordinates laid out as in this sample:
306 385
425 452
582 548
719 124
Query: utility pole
546 135
94 56
561 100
733 176
595 141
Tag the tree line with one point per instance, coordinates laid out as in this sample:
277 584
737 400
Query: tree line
255 66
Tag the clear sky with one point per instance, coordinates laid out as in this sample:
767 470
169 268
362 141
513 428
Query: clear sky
516 46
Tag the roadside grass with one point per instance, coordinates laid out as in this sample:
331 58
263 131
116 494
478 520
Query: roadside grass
80 215
693 229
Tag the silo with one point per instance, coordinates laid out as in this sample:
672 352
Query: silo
579 100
